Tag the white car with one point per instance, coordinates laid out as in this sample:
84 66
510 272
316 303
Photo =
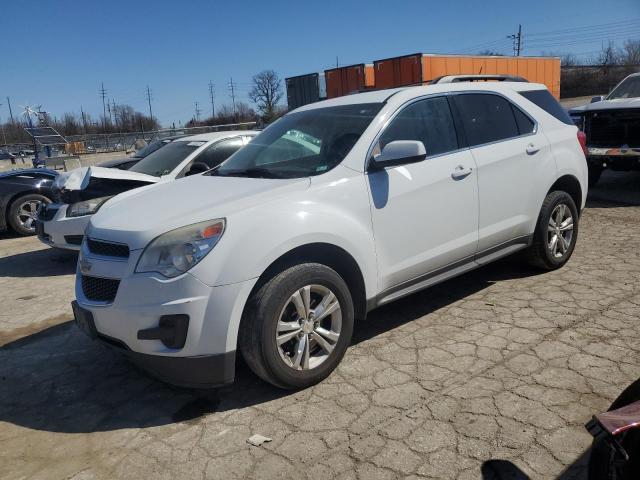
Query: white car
335 209
83 191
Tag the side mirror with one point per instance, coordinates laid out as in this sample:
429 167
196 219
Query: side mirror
400 152
196 168
597 98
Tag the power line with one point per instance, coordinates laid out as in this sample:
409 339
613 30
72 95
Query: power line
212 98
617 24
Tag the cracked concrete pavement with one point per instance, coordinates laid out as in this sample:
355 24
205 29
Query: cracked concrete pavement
488 375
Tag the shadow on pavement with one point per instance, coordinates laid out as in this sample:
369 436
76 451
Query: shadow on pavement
58 380
501 470
39 263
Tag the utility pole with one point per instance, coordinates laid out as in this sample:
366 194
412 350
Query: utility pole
197 113
232 87
84 120
149 101
212 98
337 64
4 136
10 112
113 111
103 94
517 41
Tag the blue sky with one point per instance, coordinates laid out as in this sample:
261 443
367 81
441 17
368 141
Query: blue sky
57 53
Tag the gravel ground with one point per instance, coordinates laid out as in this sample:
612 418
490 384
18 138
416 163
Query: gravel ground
490 375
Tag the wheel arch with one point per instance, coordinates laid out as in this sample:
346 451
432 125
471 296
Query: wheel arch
329 255
571 185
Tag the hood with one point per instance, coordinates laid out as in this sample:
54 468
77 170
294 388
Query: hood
79 178
151 211
618 103
38 172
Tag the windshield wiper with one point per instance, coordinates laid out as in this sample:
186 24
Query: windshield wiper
254 172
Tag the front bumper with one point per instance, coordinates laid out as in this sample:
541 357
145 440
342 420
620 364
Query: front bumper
208 355
62 231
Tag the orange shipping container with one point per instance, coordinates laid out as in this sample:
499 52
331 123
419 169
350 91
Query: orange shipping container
421 68
345 80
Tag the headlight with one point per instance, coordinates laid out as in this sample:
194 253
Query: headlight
173 253
86 207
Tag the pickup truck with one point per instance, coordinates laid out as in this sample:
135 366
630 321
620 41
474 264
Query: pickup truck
612 126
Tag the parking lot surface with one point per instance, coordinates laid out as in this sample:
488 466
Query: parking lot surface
488 375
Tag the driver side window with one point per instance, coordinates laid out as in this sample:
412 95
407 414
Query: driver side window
429 121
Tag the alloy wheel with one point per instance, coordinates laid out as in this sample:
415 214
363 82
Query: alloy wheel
308 327
27 213
560 230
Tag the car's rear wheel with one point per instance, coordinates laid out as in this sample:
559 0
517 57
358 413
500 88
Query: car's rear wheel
556 232
297 326
23 211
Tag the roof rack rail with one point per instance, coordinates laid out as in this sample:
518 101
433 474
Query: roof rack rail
476 78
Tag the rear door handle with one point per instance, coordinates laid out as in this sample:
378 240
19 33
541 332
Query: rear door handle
461 172
532 149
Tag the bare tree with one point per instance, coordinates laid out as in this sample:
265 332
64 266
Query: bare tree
631 52
266 93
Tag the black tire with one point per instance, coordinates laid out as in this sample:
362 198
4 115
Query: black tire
15 218
595 171
603 462
539 254
258 327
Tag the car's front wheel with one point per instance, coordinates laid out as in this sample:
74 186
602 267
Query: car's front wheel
556 232
23 211
297 326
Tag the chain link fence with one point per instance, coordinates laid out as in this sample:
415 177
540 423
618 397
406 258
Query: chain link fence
116 142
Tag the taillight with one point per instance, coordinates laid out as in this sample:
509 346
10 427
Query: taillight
582 138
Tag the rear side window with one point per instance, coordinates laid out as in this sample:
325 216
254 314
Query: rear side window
525 124
486 118
429 121
544 100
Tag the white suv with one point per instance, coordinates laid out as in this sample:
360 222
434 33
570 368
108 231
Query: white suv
333 210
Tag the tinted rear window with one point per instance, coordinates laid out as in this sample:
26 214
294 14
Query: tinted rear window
545 101
486 118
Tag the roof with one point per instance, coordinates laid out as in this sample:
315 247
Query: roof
213 136
379 96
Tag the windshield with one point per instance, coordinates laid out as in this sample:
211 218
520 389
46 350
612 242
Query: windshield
164 161
629 88
302 144
149 149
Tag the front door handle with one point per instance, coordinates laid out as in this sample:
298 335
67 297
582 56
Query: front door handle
532 149
461 172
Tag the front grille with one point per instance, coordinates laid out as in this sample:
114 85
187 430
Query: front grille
99 247
73 239
613 128
47 212
99 289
